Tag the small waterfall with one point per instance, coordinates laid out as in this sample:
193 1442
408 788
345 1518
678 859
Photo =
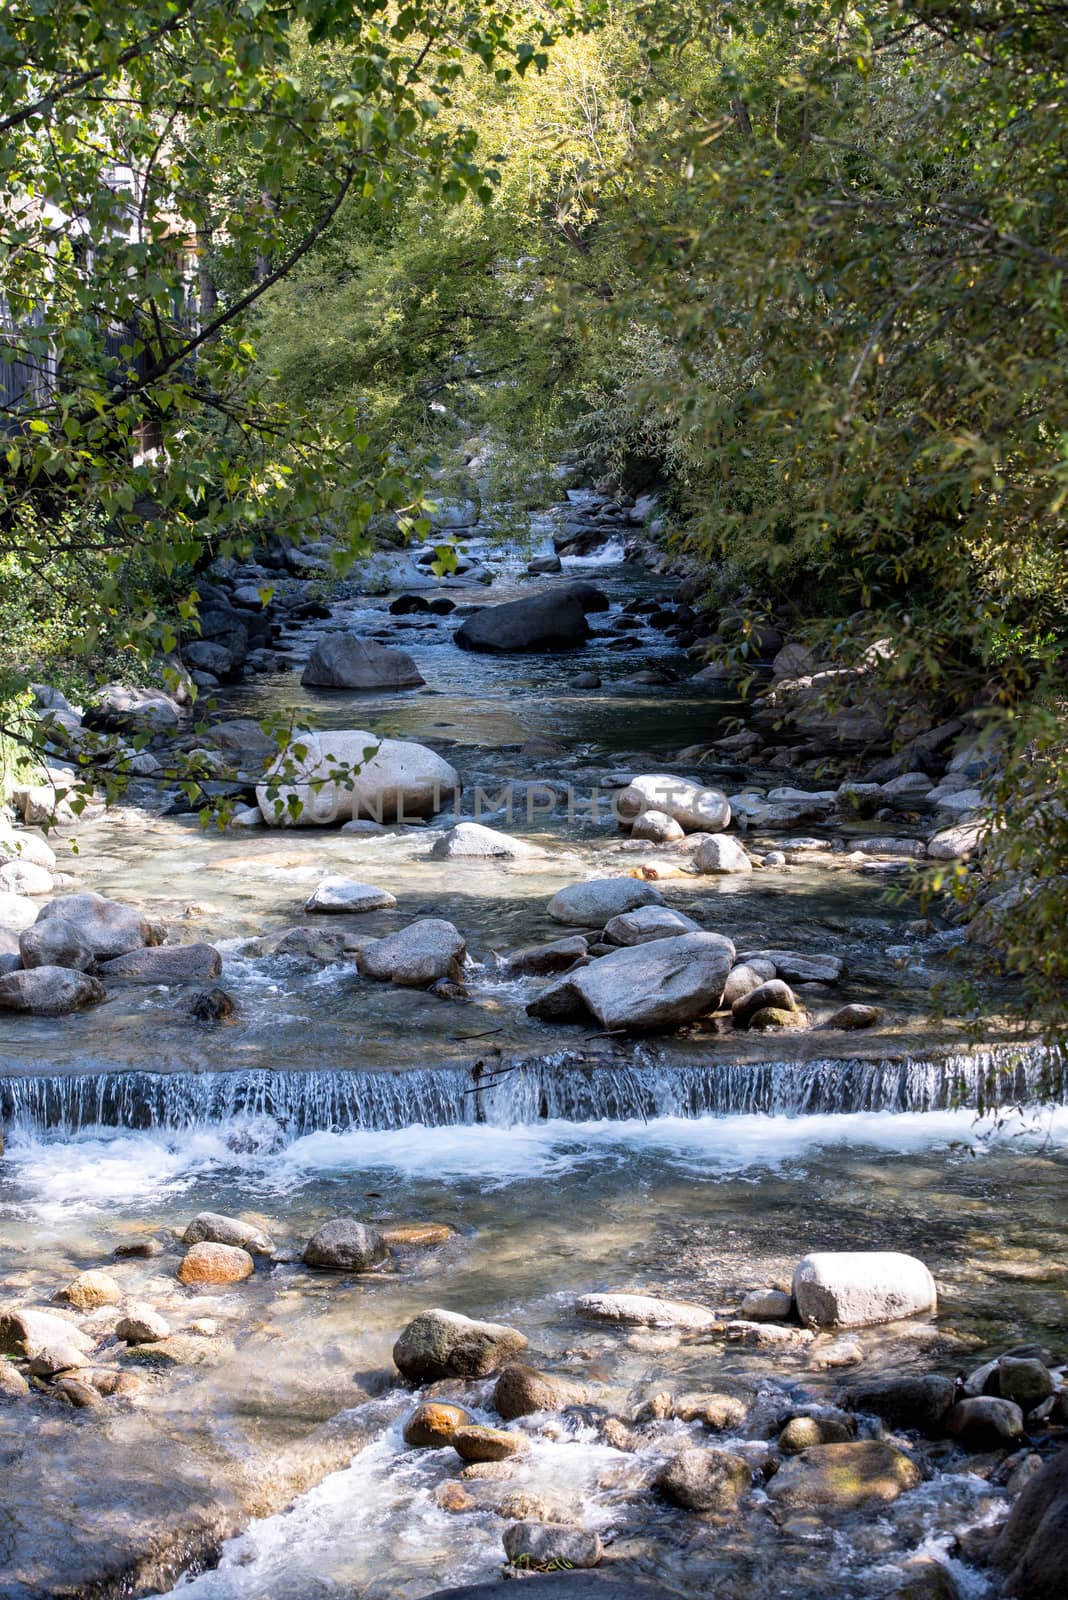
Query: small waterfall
562 1086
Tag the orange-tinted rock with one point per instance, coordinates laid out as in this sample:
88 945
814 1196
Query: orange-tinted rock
409 1234
216 1264
432 1425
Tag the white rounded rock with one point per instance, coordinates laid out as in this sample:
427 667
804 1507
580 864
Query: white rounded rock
859 1288
694 808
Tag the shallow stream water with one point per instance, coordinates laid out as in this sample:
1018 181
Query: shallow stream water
698 1166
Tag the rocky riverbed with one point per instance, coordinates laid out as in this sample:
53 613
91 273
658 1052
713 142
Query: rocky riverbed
558 986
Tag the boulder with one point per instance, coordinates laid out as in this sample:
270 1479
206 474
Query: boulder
211 1227
520 1391
773 993
106 927
25 878
859 1288
766 1305
13 1385
721 853
91 1290
416 956
215 1264
444 1344
743 979
473 1442
345 1245
142 1324
342 661
695 809
793 967
552 620
166 964
346 774
855 1016
120 707
568 1586
922 1402
1024 1379
594 903
346 895
657 827
660 984
957 843
17 844
17 912
542 959
49 991
986 1423
646 923
560 1002
843 1477
1030 1549
645 1311
544 566
432 1425
471 839
704 1480
55 943
25 1331
801 1433
553 1545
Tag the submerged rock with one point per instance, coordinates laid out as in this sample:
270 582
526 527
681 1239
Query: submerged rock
343 661
90 1290
704 1480
552 1544
415 956
345 1245
859 1288
660 984
645 1310
49 991
445 1344
472 839
596 902
842 1477
211 1227
335 895
520 1391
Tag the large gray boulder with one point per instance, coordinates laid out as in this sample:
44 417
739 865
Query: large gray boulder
646 923
416 956
49 991
55 943
344 1245
443 1344
697 809
553 620
859 1288
342 661
343 774
660 984
166 964
592 904
118 706
107 927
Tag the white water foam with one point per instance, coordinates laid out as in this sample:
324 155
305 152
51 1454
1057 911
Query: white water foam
97 1168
